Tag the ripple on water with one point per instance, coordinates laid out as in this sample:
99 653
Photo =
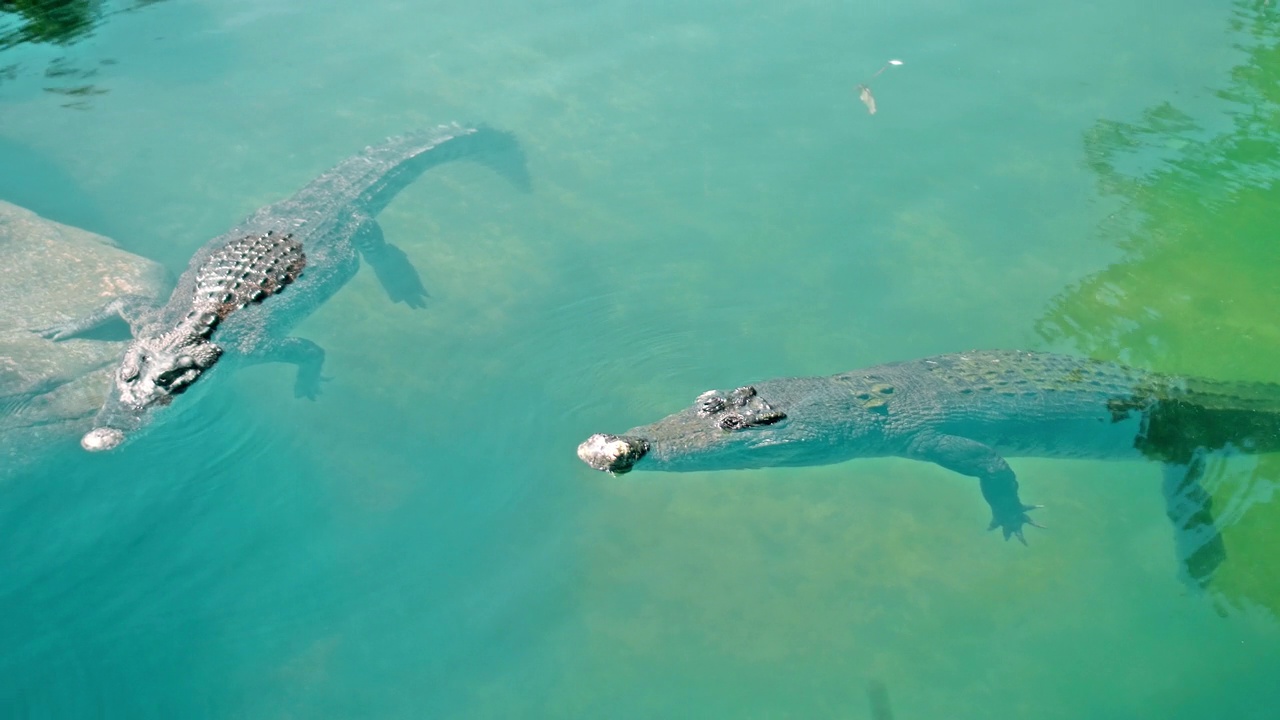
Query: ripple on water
216 424
104 548
619 356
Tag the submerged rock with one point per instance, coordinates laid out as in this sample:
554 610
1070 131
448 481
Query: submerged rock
51 273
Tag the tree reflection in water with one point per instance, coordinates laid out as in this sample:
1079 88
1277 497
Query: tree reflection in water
1198 288
60 23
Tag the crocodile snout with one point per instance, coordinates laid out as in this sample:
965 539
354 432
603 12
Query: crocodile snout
101 438
612 453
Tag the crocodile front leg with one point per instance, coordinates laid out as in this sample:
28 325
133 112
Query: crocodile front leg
395 273
997 480
308 356
130 308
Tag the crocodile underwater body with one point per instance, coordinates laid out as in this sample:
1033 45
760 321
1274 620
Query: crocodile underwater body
967 412
244 290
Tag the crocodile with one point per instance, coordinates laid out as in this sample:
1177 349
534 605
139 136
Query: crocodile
967 412
244 291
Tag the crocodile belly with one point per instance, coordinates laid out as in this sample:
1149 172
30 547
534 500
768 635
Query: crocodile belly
1098 437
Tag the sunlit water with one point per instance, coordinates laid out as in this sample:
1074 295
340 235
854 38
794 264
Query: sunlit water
711 205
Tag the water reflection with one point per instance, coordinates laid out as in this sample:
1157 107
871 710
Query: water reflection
60 23
49 21
1195 292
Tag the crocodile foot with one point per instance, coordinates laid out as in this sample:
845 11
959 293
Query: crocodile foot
1011 524
60 331
128 308
55 332
308 385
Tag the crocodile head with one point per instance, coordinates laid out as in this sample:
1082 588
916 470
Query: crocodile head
721 430
152 372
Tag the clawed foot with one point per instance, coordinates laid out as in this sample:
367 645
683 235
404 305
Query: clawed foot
54 332
398 277
1011 524
309 387
415 300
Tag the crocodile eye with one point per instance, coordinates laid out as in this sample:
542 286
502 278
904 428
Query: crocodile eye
180 383
175 380
167 377
711 405
732 422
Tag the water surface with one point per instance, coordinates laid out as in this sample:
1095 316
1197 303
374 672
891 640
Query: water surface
712 205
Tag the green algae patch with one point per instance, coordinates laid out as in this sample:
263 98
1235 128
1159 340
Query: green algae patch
1196 291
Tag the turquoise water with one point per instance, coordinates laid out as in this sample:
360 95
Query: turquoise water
711 205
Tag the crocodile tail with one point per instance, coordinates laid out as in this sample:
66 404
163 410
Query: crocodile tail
501 152
1191 415
401 160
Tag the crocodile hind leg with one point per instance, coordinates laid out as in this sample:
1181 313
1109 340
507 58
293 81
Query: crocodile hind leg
308 356
1189 507
130 308
396 274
